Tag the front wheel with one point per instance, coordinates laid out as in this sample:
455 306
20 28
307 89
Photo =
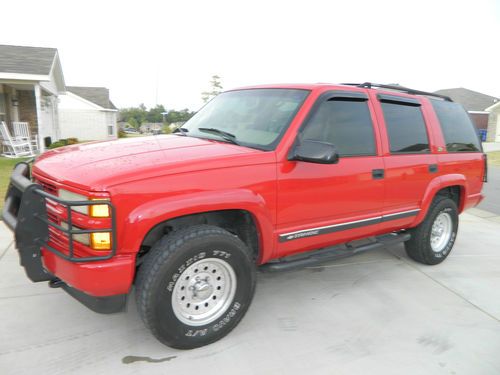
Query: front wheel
431 242
195 286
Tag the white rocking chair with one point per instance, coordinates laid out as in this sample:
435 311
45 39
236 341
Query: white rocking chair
22 132
12 147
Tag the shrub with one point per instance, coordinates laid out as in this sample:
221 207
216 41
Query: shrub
63 142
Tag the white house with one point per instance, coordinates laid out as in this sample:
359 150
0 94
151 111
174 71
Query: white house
87 113
494 122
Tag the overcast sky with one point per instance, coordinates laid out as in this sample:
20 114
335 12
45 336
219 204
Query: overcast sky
138 48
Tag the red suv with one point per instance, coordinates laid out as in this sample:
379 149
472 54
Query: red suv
275 177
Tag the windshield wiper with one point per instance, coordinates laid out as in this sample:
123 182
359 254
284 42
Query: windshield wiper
179 129
224 135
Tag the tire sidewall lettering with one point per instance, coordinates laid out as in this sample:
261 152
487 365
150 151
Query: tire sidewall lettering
444 253
233 313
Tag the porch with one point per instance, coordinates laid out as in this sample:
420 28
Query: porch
30 103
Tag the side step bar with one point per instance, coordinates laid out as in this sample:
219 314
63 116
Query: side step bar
311 258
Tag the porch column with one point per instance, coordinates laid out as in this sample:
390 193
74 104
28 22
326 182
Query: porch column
38 104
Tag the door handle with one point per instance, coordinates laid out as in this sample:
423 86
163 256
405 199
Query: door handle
433 168
377 174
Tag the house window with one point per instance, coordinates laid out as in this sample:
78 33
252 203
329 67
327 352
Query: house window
111 123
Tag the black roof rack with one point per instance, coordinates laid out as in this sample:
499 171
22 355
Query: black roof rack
369 85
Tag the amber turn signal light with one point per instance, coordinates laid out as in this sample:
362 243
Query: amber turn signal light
100 241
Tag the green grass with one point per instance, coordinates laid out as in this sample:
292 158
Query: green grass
6 166
494 158
134 135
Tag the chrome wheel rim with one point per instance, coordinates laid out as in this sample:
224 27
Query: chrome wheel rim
204 291
441 232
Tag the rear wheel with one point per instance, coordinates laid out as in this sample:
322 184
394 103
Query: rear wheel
195 286
431 242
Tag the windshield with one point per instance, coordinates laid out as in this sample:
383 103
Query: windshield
254 117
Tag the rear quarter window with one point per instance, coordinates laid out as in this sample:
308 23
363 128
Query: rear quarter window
460 134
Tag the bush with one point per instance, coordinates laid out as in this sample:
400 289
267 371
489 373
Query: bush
166 129
63 142
122 134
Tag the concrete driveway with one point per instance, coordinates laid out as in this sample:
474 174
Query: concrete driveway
376 313
491 191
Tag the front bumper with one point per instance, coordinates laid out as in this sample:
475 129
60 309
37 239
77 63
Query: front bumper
89 279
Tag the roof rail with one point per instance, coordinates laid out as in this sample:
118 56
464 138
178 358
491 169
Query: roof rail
369 85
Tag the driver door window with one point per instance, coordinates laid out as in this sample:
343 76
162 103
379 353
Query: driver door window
345 123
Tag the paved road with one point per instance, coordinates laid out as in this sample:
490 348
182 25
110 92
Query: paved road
492 191
376 313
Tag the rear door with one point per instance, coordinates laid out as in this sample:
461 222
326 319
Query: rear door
409 162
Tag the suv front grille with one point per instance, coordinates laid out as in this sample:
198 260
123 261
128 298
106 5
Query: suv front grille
47 187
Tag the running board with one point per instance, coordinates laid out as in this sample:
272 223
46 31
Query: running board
314 257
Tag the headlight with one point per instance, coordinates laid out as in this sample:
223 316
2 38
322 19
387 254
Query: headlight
83 238
74 197
96 210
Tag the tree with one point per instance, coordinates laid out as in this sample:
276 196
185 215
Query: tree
133 123
135 116
178 116
215 89
155 114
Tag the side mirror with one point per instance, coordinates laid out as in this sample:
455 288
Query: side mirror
315 152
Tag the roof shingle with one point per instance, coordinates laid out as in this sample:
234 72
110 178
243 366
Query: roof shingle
96 95
471 100
26 60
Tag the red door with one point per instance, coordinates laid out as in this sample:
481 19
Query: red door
409 161
322 204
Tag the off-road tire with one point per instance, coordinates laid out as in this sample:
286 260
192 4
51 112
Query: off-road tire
419 246
170 258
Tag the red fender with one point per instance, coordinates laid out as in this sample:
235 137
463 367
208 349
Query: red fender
437 184
145 217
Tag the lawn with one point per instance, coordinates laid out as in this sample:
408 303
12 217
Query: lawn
494 158
6 166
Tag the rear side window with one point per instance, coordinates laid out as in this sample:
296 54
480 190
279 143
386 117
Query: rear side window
405 127
458 130
345 123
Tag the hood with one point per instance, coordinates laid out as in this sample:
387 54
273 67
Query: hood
99 165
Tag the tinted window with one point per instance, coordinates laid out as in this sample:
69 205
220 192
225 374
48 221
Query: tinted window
458 130
405 128
344 123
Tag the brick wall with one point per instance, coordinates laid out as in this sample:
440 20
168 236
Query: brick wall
27 109
480 120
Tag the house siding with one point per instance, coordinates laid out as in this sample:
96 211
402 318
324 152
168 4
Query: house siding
85 125
84 120
494 126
